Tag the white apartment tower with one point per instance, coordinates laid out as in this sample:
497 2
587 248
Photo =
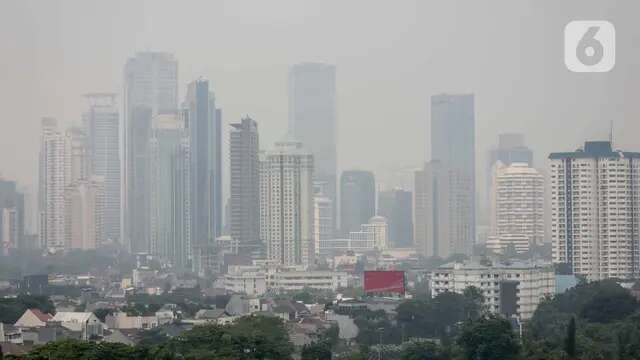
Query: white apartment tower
594 210
287 205
54 172
517 207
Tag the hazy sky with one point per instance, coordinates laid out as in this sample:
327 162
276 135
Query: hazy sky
391 56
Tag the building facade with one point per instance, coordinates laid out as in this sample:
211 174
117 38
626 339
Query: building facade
102 129
150 88
594 211
287 204
244 165
357 199
169 167
84 214
453 145
322 220
517 208
513 289
312 118
12 217
442 213
397 206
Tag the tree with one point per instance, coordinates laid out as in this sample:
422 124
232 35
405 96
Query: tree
316 351
473 302
570 340
102 313
423 350
489 337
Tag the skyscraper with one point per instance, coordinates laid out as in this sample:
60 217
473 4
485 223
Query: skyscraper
206 168
287 204
453 146
150 88
397 206
357 199
441 211
84 213
102 129
312 118
595 194
53 175
170 189
322 221
517 207
244 165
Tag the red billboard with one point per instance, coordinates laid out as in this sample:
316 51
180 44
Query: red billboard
384 282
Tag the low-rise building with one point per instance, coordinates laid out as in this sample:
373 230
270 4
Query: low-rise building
511 289
264 276
121 320
33 318
85 322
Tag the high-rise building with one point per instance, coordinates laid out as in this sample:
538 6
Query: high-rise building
357 199
102 129
244 167
322 220
169 166
372 235
397 206
511 149
286 202
517 208
150 88
53 175
84 214
453 146
206 169
12 216
441 211
312 118
595 194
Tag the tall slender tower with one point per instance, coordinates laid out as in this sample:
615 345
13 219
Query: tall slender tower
453 146
312 118
206 168
150 88
102 128
245 184
595 196
170 189
287 206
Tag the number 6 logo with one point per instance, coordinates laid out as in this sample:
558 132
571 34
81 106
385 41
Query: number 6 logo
590 46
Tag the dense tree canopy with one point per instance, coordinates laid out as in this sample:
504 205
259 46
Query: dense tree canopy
12 308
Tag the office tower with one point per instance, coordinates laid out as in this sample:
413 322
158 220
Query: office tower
84 214
244 203
150 88
517 208
441 211
286 186
594 210
169 166
322 220
206 169
397 206
312 118
12 216
511 149
53 175
453 146
102 129
357 199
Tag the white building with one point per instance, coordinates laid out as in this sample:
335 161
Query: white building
517 208
121 320
595 194
322 220
532 281
286 197
85 322
267 276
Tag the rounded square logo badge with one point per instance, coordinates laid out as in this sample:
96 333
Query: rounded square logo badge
590 46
